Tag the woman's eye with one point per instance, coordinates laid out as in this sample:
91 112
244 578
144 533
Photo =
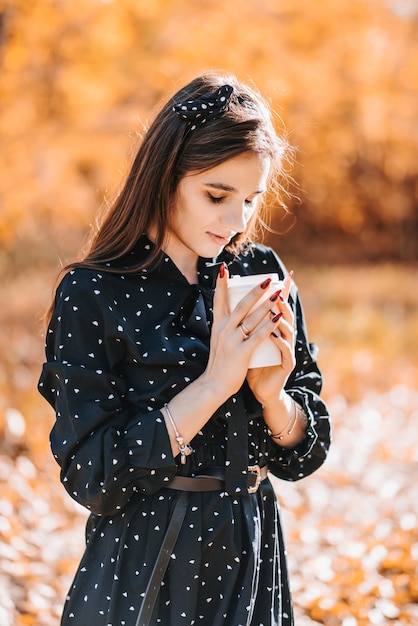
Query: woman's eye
215 199
251 203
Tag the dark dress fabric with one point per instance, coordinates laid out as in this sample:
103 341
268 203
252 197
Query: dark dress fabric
118 347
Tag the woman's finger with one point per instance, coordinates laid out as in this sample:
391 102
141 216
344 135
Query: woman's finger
287 284
286 349
278 298
283 307
285 330
249 301
253 319
220 298
284 338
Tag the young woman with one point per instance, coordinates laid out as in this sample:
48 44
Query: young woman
162 431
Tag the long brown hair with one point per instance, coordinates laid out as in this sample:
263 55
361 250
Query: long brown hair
168 151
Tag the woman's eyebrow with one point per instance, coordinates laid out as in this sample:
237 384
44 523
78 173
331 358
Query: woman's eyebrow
225 187
222 186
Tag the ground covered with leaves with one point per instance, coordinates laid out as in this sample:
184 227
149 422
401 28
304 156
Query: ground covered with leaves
351 527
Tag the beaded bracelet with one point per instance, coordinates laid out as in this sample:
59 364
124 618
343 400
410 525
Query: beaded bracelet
290 424
185 448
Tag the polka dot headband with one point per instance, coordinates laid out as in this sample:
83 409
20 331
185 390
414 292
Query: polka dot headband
198 112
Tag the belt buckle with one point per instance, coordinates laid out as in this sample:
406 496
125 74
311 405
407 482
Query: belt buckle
254 469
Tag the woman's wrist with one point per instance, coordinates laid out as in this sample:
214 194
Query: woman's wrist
286 420
190 409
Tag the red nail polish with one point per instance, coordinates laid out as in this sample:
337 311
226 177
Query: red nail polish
277 317
265 283
222 270
276 294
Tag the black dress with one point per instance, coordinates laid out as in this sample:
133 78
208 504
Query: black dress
118 347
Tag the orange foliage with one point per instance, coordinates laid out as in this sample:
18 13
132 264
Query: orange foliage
78 77
79 80
351 528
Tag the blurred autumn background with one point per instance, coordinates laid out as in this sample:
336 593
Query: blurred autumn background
79 80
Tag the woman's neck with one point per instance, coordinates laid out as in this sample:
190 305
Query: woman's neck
185 260
189 271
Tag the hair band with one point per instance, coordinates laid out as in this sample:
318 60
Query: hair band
198 112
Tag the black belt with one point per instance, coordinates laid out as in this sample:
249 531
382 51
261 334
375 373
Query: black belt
204 482
215 481
161 564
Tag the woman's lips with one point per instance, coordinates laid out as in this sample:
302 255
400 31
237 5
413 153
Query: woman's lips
219 239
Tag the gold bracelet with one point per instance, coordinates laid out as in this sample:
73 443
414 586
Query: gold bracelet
290 424
185 448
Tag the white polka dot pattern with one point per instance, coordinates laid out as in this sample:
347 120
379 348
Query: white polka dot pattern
118 347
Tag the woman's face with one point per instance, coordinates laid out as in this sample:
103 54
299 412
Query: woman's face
213 206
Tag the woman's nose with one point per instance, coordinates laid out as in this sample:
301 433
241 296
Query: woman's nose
236 217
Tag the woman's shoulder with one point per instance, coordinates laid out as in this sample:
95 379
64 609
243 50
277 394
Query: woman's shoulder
83 294
82 279
84 288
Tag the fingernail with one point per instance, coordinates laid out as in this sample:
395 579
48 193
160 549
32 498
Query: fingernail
265 283
275 334
276 294
291 274
222 270
277 317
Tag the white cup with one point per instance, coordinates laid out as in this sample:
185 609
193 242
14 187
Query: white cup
267 353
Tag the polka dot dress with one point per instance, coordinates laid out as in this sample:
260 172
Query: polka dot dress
118 347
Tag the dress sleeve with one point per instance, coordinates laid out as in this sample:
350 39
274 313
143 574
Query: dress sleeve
304 385
107 450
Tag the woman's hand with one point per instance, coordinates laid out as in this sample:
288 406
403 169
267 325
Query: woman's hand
285 419
267 383
236 334
230 348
